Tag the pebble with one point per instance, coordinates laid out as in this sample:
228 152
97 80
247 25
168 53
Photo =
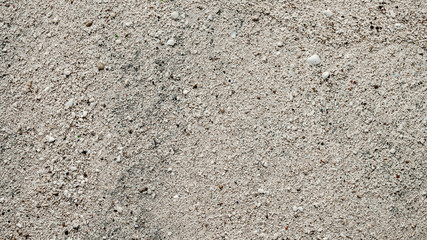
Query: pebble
295 208
171 42
169 233
328 13
313 60
325 75
175 15
392 151
261 191
185 92
100 66
2 200
233 34
119 209
69 103
89 23
67 73
50 139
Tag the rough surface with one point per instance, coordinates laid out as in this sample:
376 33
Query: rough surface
107 131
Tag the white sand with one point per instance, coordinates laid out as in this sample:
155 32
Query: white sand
226 132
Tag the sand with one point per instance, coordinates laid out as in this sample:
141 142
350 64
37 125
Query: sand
210 120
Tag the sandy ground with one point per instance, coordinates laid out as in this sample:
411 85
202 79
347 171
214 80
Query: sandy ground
204 120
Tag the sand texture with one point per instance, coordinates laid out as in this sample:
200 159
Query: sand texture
243 119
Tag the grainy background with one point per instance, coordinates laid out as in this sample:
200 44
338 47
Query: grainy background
109 132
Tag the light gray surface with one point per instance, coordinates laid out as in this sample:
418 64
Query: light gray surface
212 124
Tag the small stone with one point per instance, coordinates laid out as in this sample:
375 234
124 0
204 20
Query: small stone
143 189
84 114
169 169
69 103
67 73
2 200
295 208
328 13
325 75
171 42
169 233
210 17
50 139
89 23
118 159
261 191
100 66
300 209
313 60
175 15
55 20
185 92
233 34
279 44
119 209
392 151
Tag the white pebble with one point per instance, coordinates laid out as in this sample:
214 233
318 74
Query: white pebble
169 233
2 200
279 44
171 42
69 103
210 18
119 209
325 75
233 34
185 92
175 15
392 151
295 208
328 13
67 73
261 191
118 159
50 139
313 60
